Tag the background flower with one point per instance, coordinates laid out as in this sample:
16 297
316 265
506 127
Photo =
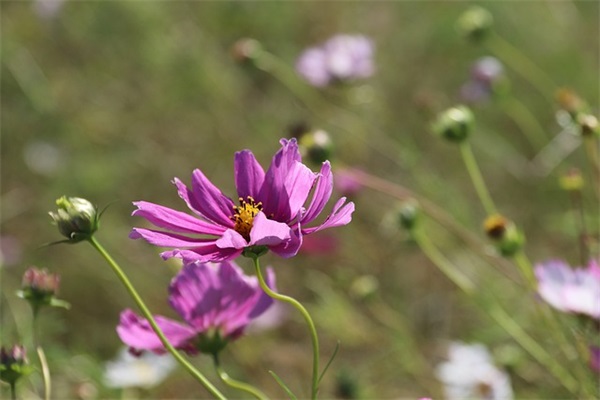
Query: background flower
145 370
572 290
341 58
217 303
470 374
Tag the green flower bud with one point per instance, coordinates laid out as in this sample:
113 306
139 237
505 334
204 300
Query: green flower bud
475 23
454 124
13 364
316 146
572 181
245 50
505 235
76 218
364 287
408 214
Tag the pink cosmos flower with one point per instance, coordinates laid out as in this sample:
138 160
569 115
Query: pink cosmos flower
342 57
573 290
271 213
217 303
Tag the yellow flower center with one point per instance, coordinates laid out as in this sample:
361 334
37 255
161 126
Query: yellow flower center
244 215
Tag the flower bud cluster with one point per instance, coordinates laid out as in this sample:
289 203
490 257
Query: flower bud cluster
39 287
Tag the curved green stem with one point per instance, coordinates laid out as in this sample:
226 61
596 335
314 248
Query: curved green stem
451 272
13 391
163 339
307 318
526 121
526 269
477 178
229 381
498 314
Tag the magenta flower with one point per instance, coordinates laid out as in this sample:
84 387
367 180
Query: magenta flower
217 303
572 290
341 58
595 358
271 213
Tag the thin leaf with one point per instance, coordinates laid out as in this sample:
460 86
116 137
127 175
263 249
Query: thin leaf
335 351
283 385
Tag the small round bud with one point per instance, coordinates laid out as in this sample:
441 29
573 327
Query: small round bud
570 101
316 145
39 288
588 125
13 364
245 50
454 124
364 287
475 23
572 181
505 235
408 214
76 218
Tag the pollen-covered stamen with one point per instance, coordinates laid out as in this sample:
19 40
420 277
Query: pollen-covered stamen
244 215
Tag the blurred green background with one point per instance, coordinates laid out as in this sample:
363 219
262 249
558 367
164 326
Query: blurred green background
109 100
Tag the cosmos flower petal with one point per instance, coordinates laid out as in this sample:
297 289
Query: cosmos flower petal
339 216
249 175
137 333
322 194
176 221
289 248
209 252
266 232
210 201
231 239
273 193
167 239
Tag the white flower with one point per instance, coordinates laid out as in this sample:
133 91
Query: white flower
145 371
470 374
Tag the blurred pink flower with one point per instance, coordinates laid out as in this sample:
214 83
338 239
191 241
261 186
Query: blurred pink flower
271 214
345 182
11 251
572 290
486 73
217 303
341 58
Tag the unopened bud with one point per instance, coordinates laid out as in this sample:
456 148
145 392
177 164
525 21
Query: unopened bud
364 287
475 23
588 124
245 50
408 214
13 364
454 124
505 235
316 145
76 218
39 288
571 181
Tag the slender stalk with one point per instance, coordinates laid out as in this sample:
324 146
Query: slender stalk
42 356
526 121
477 178
577 204
13 391
526 269
591 149
451 272
163 339
229 381
522 65
498 314
311 326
